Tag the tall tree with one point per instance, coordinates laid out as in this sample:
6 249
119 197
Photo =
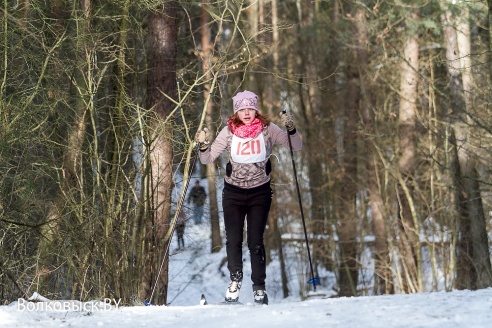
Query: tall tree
488 38
474 267
481 253
407 215
118 155
71 180
347 176
207 64
274 87
383 280
309 104
161 89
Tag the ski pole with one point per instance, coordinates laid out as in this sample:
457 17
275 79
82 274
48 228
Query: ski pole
313 280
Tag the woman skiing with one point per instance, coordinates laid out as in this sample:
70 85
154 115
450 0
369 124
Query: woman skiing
248 138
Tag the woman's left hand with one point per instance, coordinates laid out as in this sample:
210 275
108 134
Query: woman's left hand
288 121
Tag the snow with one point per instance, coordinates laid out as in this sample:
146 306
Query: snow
440 309
194 270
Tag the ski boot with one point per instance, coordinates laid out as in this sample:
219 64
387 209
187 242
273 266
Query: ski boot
261 297
232 293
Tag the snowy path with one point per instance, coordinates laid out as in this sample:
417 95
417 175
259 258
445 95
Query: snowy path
456 309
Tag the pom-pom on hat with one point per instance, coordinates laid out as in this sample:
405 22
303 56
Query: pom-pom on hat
245 99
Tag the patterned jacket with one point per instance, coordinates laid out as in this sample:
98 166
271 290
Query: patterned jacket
249 159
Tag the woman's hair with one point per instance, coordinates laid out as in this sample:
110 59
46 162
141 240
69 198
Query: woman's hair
234 118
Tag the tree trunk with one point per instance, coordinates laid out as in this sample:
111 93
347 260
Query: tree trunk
408 223
478 226
474 267
346 202
488 26
116 258
331 104
269 94
161 79
207 56
277 235
276 107
309 96
465 274
383 280
70 179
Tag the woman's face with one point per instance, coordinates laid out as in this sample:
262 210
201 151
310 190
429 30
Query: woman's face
246 115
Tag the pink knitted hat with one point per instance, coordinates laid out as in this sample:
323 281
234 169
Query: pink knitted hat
245 99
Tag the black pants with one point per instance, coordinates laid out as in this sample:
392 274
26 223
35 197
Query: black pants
254 205
180 228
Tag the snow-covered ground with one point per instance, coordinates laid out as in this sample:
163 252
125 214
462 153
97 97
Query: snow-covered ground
455 309
194 270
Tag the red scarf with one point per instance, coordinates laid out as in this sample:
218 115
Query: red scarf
246 131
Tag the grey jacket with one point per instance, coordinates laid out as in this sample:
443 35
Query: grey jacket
249 175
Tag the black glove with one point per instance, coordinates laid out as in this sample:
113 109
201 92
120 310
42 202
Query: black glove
203 138
288 121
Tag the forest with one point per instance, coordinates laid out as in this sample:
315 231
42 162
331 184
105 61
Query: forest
100 102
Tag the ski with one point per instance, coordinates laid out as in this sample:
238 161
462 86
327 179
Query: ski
203 301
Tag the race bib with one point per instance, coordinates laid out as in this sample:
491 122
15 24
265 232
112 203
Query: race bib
248 150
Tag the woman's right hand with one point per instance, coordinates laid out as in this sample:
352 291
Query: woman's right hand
203 138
